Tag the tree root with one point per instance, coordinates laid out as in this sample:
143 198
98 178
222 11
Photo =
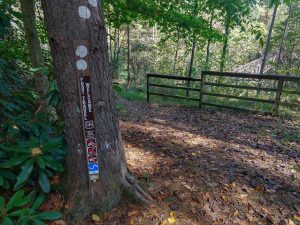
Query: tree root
131 184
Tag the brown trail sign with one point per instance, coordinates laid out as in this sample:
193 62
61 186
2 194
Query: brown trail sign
87 109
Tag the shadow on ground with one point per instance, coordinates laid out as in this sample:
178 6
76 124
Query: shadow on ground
209 167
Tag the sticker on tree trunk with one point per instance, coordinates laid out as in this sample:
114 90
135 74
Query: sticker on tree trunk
89 125
87 108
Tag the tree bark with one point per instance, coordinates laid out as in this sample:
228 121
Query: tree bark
279 58
128 58
208 44
263 64
225 46
70 22
176 57
34 48
266 51
116 53
191 65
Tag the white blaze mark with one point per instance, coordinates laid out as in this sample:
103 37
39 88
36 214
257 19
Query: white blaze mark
81 51
93 3
81 64
84 12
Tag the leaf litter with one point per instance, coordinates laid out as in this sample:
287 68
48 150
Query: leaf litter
210 167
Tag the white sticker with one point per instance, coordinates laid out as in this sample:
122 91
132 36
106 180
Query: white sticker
81 51
81 64
93 3
84 12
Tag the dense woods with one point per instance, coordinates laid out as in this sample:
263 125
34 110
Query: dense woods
66 68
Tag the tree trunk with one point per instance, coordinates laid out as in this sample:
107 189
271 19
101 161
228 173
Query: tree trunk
225 46
128 58
34 48
176 57
116 53
279 57
290 58
79 48
110 44
208 44
191 65
263 64
298 70
264 60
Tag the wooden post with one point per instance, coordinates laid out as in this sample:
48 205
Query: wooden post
202 86
148 98
278 96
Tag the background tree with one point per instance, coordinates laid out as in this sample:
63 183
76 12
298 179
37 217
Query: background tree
34 49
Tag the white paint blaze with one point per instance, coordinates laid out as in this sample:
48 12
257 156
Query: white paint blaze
84 12
81 64
81 51
93 3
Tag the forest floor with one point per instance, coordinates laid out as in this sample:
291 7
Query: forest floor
210 167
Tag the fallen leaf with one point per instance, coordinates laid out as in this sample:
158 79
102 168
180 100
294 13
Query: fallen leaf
224 198
235 213
259 188
171 220
55 180
58 222
132 213
233 184
297 218
291 222
194 211
188 187
96 218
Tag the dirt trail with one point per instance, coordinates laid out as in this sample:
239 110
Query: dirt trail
210 167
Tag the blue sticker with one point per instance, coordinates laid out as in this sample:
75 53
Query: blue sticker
93 168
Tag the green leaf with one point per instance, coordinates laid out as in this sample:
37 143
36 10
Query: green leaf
15 148
20 212
24 175
25 220
16 200
1 180
38 222
14 161
8 175
1 203
55 143
36 69
50 215
44 182
31 196
51 163
16 14
37 203
7 221
41 162
35 130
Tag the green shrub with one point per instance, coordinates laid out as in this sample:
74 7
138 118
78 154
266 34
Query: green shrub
35 159
21 209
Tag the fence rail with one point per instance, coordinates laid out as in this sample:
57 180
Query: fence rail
278 90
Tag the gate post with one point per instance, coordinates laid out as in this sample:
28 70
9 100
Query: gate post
278 97
202 86
148 99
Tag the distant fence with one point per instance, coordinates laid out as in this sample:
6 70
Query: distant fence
213 79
